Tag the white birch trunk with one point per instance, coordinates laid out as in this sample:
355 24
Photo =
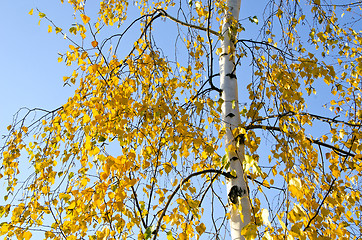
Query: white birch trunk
237 188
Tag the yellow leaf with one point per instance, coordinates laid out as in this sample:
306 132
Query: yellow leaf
4 228
295 187
57 30
45 189
201 228
41 15
93 68
167 167
31 12
84 182
296 182
94 43
85 18
335 171
265 183
86 118
280 218
290 237
50 29
64 196
285 128
169 236
72 205
182 236
25 129
103 175
249 231
84 55
27 235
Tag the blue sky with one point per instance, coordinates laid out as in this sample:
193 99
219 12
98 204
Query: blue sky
31 76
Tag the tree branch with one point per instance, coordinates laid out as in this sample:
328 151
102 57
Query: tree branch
226 174
327 193
163 12
337 150
260 183
137 205
321 118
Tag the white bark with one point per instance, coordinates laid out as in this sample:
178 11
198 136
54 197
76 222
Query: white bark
231 118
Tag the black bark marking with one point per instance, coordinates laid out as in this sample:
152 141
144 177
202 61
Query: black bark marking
234 158
231 75
229 175
230 115
236 192
240 138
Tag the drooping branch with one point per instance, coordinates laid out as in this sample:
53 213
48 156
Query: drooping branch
19 123
264 43
138 205
262 184
314 116
163 213
342 5
163 12
337 150
327 193
320 205
211 88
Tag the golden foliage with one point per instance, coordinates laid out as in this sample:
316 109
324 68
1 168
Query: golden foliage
136 152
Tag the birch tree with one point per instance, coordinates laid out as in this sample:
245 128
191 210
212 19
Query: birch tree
238 192
159 141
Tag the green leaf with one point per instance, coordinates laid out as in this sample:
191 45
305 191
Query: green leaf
148 232
101 139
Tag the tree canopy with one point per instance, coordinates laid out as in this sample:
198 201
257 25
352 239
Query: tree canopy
141 151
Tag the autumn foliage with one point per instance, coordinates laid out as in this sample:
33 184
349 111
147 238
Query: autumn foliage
138 153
